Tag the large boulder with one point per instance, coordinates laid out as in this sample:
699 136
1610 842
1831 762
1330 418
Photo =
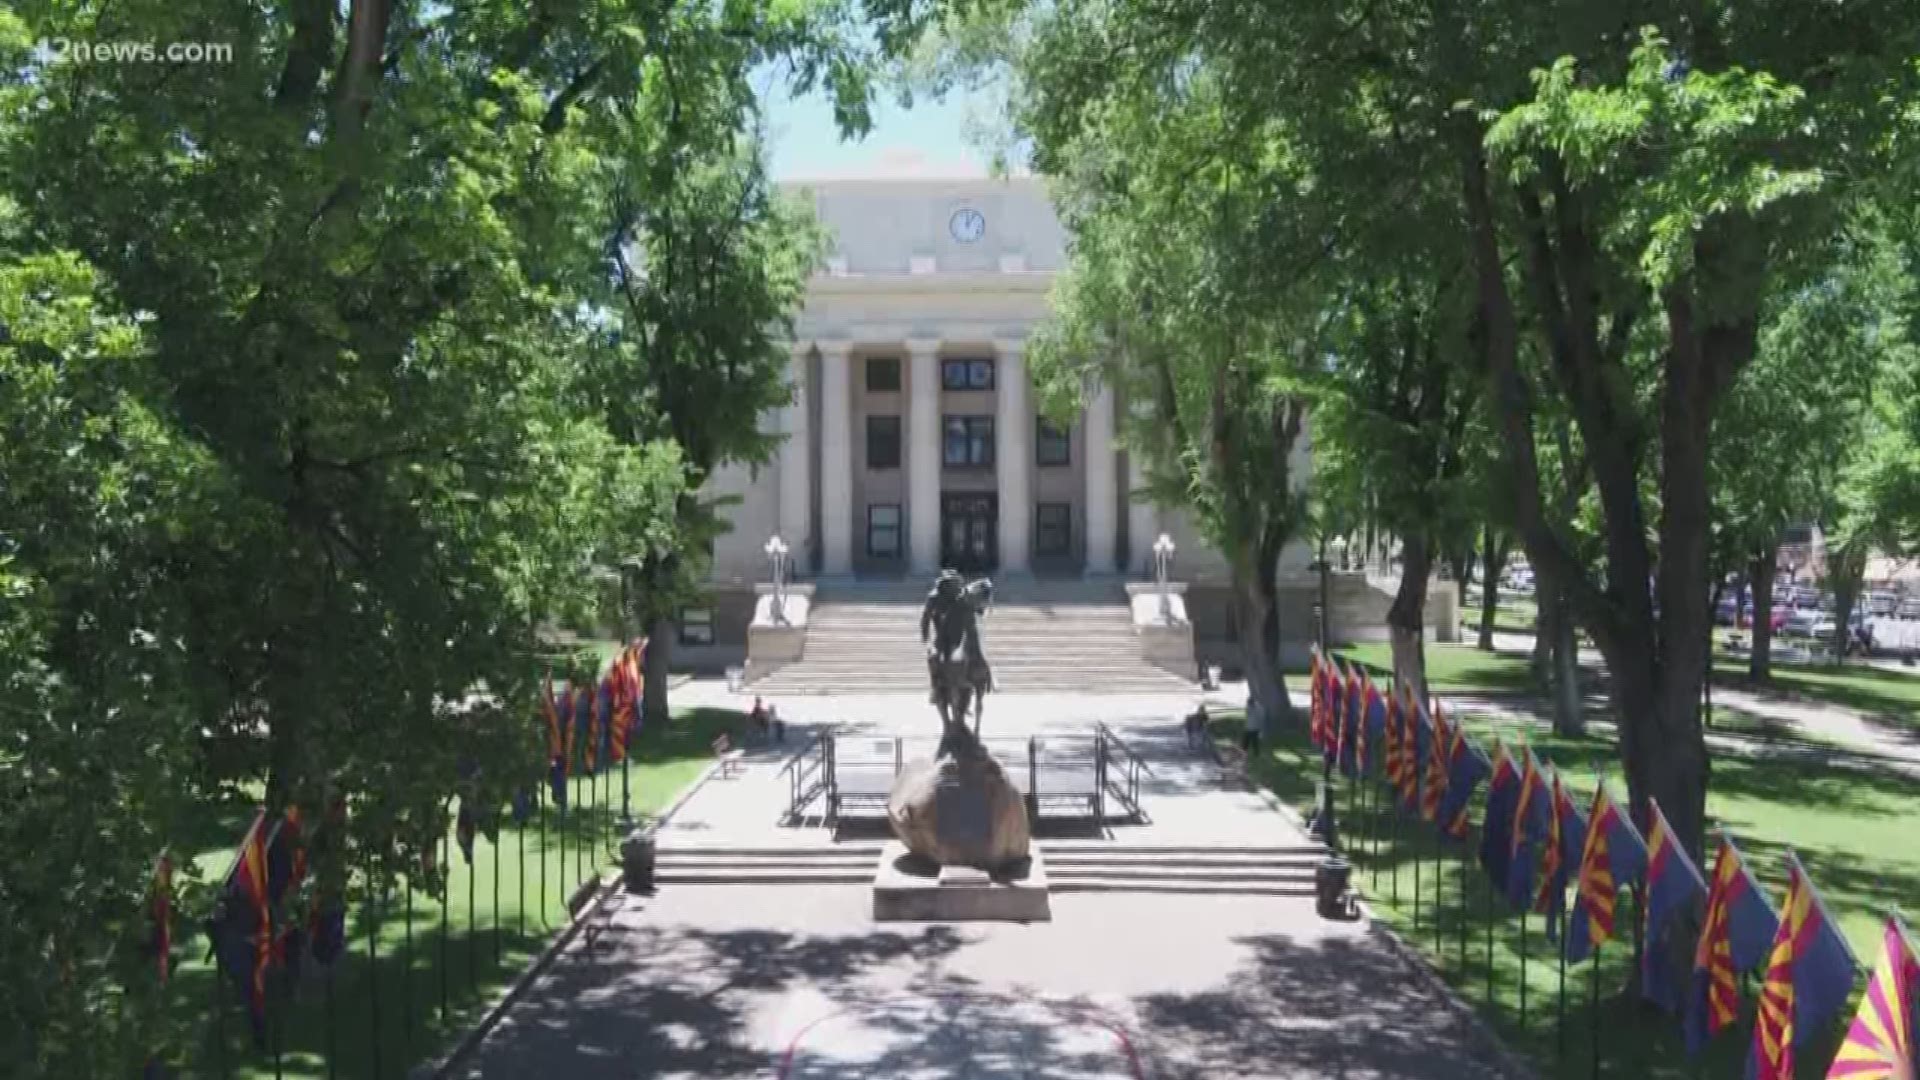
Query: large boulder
959 808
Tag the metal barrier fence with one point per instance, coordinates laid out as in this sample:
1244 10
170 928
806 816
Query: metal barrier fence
413 967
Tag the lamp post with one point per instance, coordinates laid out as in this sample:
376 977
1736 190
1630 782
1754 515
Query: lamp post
776 550
1162 567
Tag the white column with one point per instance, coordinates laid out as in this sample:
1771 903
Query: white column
796 463
1102 518
836 459
1142 520
1014 455
923 455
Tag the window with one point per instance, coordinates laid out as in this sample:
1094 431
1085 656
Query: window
883 530
696 626
1053 529
883 373
966 375
1052 444
969 441
883 442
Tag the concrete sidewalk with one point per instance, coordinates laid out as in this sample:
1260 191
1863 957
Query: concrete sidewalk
797 980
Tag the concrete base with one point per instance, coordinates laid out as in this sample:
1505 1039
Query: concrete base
957 894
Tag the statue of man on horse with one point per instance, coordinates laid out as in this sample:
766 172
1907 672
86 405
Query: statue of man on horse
956 666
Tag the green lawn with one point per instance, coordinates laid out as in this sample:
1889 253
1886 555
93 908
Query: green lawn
1893 696
486 938
1450 668
1851 828
1514 615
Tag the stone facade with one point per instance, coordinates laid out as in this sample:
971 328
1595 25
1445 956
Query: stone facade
913 441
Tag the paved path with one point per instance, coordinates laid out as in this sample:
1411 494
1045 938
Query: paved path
1847 728
765 981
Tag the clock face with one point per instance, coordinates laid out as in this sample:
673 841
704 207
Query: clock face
967 225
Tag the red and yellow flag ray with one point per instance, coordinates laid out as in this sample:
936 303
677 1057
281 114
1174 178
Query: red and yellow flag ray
1881 1043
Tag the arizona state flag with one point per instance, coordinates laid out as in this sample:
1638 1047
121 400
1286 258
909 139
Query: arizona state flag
1566 841
1735 935
1881 1044
551 709
1614 856
585 714
1809 975
1496 828
1313 697
1435 788
1532 820
1391 738
615 691
1674 884
1467 765
242 928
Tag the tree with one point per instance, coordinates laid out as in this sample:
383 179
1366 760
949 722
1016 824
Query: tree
1793 424
312 365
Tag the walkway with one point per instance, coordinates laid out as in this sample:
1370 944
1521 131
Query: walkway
772 980
1814 722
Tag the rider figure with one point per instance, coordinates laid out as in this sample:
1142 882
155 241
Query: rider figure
954 607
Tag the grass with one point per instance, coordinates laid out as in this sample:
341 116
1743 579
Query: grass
1852 829
439 968
1451 668
1888 695
1891 696
1512 616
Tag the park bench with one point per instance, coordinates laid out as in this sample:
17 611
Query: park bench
726 755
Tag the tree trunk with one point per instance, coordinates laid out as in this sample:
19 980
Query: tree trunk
1845 571
1493 566
1254 604
1548 612
1761 574
1406 619
1460 564
1568 719
658 657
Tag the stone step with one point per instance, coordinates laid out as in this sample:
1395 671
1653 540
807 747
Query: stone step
1198 865
1060 884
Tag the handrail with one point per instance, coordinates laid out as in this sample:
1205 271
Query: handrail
1133 758
809 748
799 754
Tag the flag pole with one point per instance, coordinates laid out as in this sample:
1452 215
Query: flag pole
373 964
540 808
1593 1007
406 967
1523 967
1487 895
473 927
446 898
1560 1008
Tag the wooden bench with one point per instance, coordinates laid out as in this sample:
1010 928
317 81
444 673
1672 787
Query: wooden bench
726 755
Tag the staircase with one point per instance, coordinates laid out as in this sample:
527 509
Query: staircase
1071 865
1041 637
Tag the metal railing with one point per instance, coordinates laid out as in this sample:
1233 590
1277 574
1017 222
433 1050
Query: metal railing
1132 765
1055 771
808 773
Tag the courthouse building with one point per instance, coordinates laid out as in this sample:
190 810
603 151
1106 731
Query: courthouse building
914 443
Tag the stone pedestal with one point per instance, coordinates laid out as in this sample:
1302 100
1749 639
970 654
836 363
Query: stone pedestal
959 808
907 888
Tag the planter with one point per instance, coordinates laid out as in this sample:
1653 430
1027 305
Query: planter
1331 880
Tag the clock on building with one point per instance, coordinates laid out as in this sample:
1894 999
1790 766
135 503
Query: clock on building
967 225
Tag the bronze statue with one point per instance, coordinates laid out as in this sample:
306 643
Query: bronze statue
956 666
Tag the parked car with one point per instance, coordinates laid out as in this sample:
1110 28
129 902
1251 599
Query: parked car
1823 629
1800 622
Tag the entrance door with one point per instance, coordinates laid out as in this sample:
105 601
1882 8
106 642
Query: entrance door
969 531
